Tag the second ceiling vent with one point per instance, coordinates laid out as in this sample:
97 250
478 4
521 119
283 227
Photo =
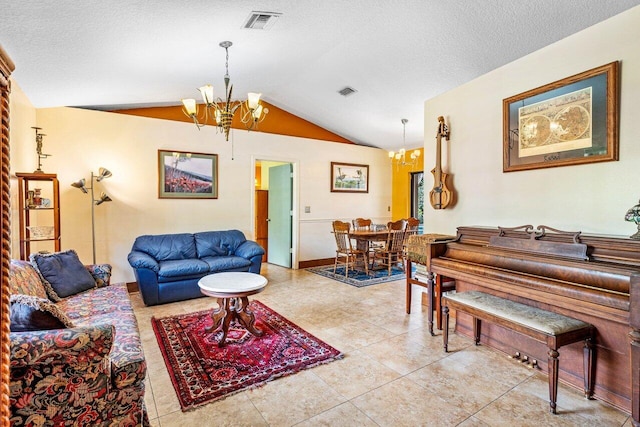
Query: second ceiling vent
261 20
346 91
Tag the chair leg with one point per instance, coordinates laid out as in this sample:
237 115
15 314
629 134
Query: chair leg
346 265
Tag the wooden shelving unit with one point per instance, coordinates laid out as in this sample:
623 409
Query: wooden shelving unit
38 214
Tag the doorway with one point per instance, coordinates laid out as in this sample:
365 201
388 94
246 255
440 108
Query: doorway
275 212
417 195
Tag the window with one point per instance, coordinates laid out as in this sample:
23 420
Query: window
417 195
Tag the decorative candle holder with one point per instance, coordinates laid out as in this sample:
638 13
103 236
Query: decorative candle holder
633 215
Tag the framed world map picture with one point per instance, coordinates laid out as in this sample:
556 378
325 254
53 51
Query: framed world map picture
567 122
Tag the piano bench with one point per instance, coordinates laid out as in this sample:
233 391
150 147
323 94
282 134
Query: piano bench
552 329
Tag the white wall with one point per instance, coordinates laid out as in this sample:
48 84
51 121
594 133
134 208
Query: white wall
23 157
81 141
592 197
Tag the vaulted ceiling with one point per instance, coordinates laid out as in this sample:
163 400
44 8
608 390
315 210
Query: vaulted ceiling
396 54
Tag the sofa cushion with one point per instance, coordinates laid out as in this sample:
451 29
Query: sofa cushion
112 305
218 243
62 274
165 247
185 267
227 263
29 313
249 249
24 280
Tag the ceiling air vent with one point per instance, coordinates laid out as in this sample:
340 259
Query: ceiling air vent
261 20
347 91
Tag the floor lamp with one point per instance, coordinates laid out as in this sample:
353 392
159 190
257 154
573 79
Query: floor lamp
81 184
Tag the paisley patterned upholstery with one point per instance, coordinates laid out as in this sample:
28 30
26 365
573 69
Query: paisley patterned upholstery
101 273
128 366
23 280
91 374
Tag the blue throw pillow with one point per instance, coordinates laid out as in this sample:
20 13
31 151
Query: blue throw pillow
62 274
29 313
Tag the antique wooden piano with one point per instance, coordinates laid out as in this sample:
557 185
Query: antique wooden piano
588 277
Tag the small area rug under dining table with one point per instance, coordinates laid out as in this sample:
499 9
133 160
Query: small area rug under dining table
359 278
201 372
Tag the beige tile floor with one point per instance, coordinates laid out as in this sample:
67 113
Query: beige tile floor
393 373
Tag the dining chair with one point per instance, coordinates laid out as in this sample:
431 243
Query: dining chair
391 253
345 250
366 224
412 226
412 229
359 223
400 224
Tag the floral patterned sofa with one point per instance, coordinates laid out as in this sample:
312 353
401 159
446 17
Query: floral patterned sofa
89 374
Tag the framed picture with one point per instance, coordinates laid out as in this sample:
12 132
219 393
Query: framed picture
183 175
568 122
349 178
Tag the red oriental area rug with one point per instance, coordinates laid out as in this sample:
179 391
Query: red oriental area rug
201 372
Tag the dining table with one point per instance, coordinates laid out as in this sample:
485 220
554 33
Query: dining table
365 237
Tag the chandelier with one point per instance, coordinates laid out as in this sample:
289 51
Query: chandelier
400 157
221 111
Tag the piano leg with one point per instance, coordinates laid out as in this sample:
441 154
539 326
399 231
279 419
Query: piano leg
431 286
635 376
476 330
589 358
445 329
553 379
634 334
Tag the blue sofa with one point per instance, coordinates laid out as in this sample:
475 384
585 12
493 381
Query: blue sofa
168 266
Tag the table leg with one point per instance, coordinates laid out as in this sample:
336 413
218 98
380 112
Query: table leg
219 314
363 245
246 318
437 297
222 317
225 326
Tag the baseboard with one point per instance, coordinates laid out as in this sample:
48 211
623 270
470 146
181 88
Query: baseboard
132 287
315 262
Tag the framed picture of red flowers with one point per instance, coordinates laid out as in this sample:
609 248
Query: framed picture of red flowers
185 175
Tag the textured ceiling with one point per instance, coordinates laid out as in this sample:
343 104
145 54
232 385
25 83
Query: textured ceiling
396 54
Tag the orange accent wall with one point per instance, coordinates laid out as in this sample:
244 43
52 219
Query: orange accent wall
278 121
401 188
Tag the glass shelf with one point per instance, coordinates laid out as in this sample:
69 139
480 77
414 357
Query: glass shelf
27 184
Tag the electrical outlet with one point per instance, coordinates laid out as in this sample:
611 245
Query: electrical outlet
307 209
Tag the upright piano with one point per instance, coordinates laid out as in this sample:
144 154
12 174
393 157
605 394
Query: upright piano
589 277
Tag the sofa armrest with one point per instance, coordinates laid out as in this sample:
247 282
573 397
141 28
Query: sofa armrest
248 249
139 259
81 346
101 274
62 377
